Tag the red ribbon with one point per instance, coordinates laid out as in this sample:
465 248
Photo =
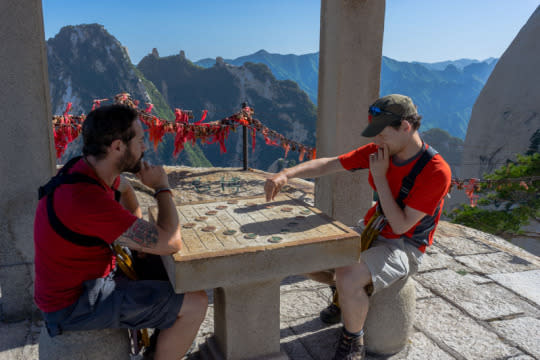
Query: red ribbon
202 117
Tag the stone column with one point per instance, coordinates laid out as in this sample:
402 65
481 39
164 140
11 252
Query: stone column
248 329
26 148
349 75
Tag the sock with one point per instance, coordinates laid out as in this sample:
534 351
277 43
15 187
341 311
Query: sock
352 335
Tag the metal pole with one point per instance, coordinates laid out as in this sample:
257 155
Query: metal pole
245 137
244 131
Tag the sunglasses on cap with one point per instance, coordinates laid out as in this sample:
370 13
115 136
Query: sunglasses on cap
375 111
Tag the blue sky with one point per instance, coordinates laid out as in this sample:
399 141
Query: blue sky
415 30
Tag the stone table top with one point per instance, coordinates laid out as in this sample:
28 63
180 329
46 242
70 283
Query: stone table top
478 296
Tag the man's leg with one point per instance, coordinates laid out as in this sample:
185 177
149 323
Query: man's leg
175 341
354 301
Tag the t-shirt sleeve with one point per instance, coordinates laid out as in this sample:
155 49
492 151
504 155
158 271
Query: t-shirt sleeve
93 212
358 158
430 187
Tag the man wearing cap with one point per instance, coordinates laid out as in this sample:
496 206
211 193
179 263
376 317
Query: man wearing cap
406 224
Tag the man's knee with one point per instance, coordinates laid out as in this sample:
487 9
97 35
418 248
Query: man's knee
354 276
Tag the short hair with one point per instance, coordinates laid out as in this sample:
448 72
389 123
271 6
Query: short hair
104 125
414 120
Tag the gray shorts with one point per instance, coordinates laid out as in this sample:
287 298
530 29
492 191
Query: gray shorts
117 302
390 260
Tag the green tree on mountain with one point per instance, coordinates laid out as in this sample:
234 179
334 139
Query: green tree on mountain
508 200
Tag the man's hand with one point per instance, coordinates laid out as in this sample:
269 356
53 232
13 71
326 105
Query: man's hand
153 176
379 162
274 185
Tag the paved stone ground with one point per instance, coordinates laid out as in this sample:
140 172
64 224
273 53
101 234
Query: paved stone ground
478 296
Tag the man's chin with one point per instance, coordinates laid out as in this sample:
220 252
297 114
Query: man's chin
134 169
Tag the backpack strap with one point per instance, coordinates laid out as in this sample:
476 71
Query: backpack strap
48 190
408 181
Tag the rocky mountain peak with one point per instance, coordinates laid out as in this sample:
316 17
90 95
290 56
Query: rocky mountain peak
86 63
506 114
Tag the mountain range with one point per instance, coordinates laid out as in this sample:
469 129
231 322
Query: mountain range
444 91
87 63
280 104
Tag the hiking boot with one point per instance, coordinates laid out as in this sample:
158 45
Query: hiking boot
350 349
331 314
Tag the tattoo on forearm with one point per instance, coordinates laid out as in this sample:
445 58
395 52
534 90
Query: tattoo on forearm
141 234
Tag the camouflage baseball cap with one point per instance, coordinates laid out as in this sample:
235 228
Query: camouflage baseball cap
386 111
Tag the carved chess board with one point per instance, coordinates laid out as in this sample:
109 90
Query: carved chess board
235 226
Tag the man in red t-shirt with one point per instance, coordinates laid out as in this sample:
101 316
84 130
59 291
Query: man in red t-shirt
77 285
406 230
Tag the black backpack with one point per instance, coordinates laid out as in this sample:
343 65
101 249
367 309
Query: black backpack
48 190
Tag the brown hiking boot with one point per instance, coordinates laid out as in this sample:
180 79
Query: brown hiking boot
350 349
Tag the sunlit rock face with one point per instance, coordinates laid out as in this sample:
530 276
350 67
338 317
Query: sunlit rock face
505 119
86 63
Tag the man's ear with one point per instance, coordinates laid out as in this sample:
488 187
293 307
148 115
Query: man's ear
406 126
116 145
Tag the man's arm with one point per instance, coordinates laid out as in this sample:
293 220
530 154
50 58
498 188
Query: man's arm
400 220
164 237
128 198
309 169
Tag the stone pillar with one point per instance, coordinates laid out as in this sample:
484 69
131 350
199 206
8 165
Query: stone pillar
247 329
26 148
349 75
103 344
390 318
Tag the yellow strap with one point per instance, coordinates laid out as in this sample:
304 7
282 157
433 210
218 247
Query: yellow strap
145 338
369 233
124 262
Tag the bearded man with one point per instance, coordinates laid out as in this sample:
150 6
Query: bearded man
78 220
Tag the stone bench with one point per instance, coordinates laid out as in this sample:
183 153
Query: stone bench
390 318
107 344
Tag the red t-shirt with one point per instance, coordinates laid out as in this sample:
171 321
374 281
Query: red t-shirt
426 195
61 267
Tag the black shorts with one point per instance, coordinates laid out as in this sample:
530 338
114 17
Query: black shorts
117 302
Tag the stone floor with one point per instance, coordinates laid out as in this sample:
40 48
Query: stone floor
478 296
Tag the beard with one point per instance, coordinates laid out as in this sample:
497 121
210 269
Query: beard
129 163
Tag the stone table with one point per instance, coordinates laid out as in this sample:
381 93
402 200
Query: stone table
272 241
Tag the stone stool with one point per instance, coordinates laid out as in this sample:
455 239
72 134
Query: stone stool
107 344
390 318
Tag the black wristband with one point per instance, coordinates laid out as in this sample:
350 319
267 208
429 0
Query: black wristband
162 190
